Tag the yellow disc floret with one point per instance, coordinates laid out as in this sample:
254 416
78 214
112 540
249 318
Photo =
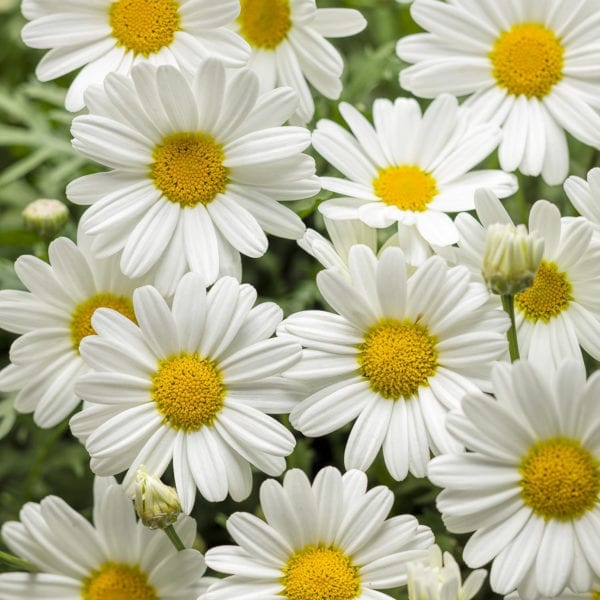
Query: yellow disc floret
407 187
117 581
81 317
188 391
144 26
320 573
528 59
560 479
188 168
265 23
397 357
549 295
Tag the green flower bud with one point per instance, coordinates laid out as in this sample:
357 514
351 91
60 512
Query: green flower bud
511 258
45 217
156 504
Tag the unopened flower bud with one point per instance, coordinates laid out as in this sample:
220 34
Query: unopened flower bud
156 504
45 217
511 258
441 579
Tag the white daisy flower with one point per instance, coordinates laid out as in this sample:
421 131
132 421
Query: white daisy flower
401 352
530 488
440 579
330 540
584 195
195 170
566 595
111 36
287 38
52 319
116 558
529 66
409 168
561 310
191 384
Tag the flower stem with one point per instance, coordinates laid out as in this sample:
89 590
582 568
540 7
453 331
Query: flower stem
508 304
175 539
16 562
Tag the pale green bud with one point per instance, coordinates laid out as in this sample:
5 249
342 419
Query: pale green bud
45 217
511 258
156 504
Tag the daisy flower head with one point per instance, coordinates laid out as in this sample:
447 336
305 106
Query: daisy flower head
191 384
527 66
111 36
440 579
530 487
409 168
115 558
195 167
52 319
288 46
584 195
561 310
327 541
398 355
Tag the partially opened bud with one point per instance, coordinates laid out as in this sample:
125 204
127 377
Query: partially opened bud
511 258
156 504
45 217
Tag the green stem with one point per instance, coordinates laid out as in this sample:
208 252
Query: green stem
508 304
175 539
16 562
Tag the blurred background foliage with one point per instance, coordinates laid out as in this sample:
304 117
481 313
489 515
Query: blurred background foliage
37 161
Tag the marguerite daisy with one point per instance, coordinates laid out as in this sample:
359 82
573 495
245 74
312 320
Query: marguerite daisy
561 310
116 558
584 195
410 168
528 66
113 35
195 170
531 487
328 541
401 353
52 318
189 384
287 38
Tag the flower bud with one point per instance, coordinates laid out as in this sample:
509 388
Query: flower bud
511 258
441 579
156 504
45 217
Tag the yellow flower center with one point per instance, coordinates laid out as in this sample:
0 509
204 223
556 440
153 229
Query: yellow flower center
528 59
265 23
116 581
144 26
549 295
397 358
317 573
560 479
188 391
188 168
81 317
407 186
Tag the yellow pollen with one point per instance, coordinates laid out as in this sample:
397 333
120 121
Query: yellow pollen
560 479
407 186
117 581
596 596
188 391
265 23
81 317
397 357
188 168
528 59
318 573
548 296
144 26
